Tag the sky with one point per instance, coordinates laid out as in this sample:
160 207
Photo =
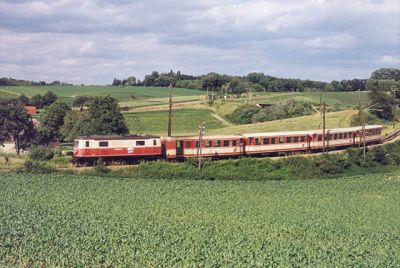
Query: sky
95 41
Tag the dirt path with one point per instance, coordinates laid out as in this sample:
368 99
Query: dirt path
220 119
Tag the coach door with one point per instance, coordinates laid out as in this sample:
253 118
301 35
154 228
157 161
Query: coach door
179 148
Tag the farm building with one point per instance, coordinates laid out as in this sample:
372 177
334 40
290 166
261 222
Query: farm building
31 110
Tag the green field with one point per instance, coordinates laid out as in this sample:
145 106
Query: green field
77 221
184 121
121 93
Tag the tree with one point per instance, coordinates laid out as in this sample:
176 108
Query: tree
23 99
105 116
51 121
17 124
37 101
49 98
386 73
131 81
75 124
80 102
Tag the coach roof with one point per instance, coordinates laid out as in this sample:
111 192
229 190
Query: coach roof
117 137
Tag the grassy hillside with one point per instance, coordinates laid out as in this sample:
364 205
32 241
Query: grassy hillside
334 120
121 93
184 121
77 221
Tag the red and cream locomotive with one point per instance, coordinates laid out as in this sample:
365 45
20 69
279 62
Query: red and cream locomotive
132 148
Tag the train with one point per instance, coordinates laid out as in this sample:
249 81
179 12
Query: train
135 148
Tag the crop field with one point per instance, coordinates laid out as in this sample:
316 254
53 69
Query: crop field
122 93
184 121
77 221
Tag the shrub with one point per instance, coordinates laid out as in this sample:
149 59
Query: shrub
42 153
32 166
100 166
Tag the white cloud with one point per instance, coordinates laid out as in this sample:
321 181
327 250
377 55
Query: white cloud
93 41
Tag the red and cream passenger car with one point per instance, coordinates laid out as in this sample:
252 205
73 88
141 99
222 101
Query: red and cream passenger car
345 137
132 146
276 142
211 146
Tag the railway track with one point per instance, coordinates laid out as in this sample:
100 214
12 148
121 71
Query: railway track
391 136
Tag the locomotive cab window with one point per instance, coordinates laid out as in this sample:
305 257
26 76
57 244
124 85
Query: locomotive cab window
103 143
87 143
154 142
76 144
139 143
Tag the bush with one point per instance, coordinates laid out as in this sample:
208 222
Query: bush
100 166
42 153
32 166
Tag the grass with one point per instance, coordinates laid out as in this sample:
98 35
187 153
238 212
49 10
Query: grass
77 221
121 93
184 121
310 122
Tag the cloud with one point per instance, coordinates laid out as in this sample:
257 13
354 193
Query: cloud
93 41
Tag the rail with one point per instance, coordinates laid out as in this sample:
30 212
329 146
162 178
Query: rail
391 136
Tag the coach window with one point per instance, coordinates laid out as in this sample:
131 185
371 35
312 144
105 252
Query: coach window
217 143
281 139
266 141
103 143
302 139
257 141
335 136
340 136
288 139
226 143
273 141
296 139
139 143
208 143
234 143
87 143
319 137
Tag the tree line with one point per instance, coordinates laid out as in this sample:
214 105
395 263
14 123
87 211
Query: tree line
255 81
4 81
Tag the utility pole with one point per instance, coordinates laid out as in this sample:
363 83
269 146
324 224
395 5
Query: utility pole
323 125
207 95
170 111
200 145
394 109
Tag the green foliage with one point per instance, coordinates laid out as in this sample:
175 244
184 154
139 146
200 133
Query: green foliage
75 124
36 167
244 114
105 116
100 166
386 73
51 121
80 101
41 101
42 153
17 124
84 221
248 114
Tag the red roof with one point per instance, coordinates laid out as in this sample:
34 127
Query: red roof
31 110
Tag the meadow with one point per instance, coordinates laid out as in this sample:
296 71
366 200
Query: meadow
76 221
184 121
